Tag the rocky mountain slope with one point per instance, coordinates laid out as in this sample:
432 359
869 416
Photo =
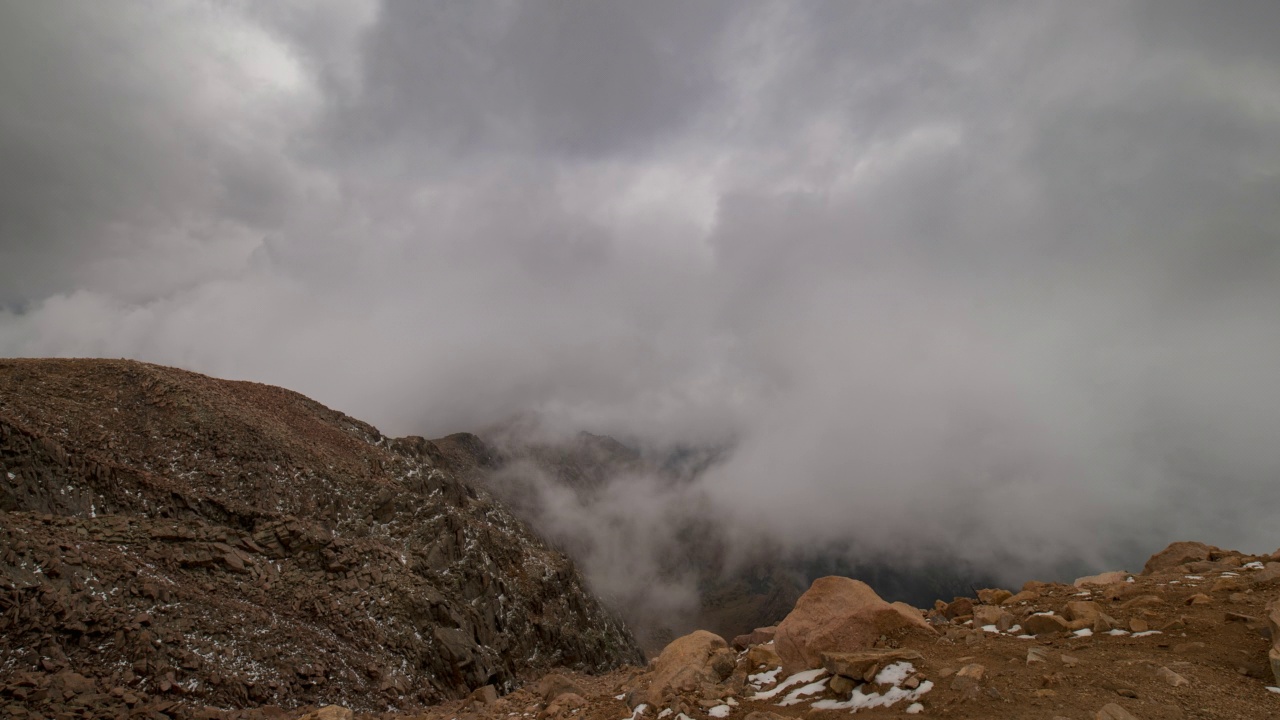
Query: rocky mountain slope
170 541
1196 634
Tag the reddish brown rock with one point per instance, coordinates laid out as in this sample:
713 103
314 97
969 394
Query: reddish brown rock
759 636
1106 578
1178 553
839 614
687 663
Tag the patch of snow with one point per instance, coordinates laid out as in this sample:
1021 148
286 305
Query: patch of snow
1255 565
719 711
1230 574
1129 579
990 628
666 712
1046 612
894 674
1192 577
1118 632
797 695
619 697
915 709
731 702
1015 629
765 677
1083 632
1275 690
1026 637
806 676
1147 633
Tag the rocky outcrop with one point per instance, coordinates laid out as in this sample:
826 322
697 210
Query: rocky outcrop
179 541
1179 553
839 614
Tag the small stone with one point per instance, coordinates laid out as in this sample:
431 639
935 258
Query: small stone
1069 661
1171 677
841 686
969 676
1036 655
1112 711
1199 599
1138 625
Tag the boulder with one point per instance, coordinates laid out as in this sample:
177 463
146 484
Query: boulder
1044 624
764 655
687 664
987 615
1179 553
1106 578
993 596
839 614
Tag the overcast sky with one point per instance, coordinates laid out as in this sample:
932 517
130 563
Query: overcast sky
999 276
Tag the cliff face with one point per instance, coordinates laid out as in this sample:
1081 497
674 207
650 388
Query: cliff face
169 537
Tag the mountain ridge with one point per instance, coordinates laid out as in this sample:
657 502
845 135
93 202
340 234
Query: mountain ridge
145 506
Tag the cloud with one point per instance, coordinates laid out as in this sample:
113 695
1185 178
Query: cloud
993 282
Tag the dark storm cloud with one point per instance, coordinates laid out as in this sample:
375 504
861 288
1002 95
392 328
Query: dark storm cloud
993 281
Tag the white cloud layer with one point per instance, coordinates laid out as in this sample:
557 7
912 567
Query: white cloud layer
997 279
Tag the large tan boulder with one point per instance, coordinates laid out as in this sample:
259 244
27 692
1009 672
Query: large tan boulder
1179 553
1106 578
687 664
839 614
1273 622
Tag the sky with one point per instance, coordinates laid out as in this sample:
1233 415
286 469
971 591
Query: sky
976 279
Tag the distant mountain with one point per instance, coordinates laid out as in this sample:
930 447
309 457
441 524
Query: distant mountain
166 537
736 589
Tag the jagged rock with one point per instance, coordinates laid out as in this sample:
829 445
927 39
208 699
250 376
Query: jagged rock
864 664
1178 553
759 636
840 614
